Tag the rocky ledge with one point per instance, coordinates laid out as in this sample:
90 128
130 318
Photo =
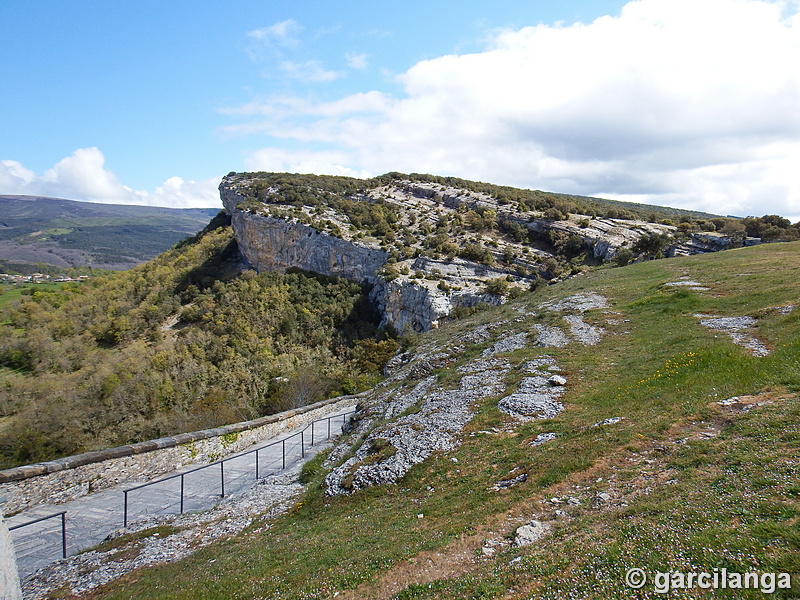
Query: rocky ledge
425 249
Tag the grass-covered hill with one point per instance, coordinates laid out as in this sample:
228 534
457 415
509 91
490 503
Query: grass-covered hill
676 450
36 231
183 342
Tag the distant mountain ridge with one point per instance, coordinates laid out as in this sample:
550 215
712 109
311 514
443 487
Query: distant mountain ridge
68 233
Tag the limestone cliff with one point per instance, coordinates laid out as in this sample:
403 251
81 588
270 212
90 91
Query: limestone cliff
273 244
426 247
412 294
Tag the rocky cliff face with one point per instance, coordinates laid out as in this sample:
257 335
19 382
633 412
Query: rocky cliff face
413 295
273 244
426 248
420 305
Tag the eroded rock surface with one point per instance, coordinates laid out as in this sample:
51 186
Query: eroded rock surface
414 412
738 329
434 417
537 396
579 330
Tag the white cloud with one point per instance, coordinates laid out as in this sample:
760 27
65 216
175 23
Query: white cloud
320 162
687 102
310 70
283 33
175 192
83 176
358 62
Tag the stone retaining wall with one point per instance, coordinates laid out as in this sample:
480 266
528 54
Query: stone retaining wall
65 479
9 579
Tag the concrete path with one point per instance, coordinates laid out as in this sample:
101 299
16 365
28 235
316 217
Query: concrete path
90 519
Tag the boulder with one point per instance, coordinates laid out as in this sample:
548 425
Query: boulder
531 533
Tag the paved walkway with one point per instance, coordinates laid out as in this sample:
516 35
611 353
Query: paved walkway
90 519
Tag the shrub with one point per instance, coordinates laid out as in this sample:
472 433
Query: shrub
497 287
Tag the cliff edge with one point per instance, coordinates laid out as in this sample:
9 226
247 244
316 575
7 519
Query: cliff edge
428 246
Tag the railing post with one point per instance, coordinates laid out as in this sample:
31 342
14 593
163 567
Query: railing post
182 485
302 445
125 512
329 428
64 535
257 449
312 433
283 452
222 476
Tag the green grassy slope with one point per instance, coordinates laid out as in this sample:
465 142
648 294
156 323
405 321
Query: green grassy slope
687 484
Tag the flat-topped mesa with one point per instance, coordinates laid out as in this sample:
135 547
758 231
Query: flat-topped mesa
428 245
412 293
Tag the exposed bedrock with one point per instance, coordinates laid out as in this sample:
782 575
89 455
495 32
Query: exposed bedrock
273 244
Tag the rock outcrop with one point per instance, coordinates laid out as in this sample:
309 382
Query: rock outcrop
413 295
414 412
424 248
273 244
706 241
604 237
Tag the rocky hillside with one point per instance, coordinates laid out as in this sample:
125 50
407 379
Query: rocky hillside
184 342
643 417
433 246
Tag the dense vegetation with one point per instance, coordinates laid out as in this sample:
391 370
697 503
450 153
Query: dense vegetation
179 343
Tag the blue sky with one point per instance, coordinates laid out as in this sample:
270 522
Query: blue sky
692 103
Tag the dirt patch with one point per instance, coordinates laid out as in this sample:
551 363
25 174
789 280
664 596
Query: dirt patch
453 560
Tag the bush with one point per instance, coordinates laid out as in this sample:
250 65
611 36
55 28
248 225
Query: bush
497 287
623 257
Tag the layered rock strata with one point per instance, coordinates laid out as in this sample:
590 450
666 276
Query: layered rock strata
271 244
438 248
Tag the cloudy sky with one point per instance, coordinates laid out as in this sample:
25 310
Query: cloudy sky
687 103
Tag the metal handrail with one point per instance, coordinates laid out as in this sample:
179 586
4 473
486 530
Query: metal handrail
222 461
63 515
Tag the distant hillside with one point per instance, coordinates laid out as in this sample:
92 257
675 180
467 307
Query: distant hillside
65 233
